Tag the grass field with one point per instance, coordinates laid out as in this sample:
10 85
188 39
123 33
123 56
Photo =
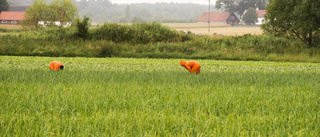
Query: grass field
157 97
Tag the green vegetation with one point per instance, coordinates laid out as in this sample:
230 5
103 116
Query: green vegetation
157 97
63 11
4 5
152 40
295 20
250 17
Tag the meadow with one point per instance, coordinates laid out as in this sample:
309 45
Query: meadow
157 97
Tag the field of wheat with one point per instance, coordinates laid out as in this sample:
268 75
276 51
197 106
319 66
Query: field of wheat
157 97
215 29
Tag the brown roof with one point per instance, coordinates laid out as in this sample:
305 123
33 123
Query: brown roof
214 16
9 15
261 13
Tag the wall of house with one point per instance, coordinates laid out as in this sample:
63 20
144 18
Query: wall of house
10 22
57 23
260 21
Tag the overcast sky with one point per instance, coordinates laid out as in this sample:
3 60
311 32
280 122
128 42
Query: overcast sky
205 2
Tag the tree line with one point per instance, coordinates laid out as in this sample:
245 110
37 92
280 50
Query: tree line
284 18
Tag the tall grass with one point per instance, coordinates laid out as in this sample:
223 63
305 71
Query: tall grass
157 97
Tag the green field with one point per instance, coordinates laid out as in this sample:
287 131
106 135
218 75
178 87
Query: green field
157 97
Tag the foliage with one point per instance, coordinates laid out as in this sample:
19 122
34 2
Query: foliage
82 27
153 41
250 17
294 19
58 10
35 13
64 11
239 6
137 20
135 33
4 5
157 97
127 13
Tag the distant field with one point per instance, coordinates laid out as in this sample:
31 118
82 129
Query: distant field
157 97
10 26
222 29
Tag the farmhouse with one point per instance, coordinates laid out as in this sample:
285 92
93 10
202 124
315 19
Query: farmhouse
11 17
260 16
219 17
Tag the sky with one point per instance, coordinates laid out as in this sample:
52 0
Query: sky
204 2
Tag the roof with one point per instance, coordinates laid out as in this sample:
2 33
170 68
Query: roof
214 16
9 15
261 13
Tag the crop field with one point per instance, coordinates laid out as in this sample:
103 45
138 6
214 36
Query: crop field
215 28
157 97
10 26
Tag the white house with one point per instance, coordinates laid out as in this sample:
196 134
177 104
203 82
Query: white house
57 23
261 14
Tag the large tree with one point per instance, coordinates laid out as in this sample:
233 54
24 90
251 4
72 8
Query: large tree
239 6
250 17
58 10
4 6
299 19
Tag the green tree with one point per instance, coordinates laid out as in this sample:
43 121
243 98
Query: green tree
58 10
35 13
83 27
122 20
239 6
63 11
144 13
250 17
4 6
137 20
299 19
127 13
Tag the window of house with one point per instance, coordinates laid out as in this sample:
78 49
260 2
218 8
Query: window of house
13 21
4 21
232 17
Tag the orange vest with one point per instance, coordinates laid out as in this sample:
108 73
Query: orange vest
192 66
56 65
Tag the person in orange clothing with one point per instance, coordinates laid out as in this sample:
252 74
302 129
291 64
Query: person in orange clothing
192 66
56 65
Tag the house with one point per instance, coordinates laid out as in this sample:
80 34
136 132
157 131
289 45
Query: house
219 17
260 16
11 18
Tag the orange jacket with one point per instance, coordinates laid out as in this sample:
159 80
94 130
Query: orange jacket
192 66
56 65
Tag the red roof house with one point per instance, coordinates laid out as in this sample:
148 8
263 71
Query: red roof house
11 17
219 17
261 16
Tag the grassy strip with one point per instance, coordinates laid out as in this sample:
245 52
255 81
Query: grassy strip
154 41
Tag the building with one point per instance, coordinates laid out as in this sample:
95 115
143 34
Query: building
260 16
11 17
219 17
